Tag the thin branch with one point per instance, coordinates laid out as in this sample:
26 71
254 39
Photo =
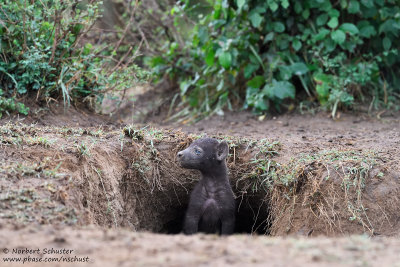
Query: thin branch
127 26
25 47
57 33
120 61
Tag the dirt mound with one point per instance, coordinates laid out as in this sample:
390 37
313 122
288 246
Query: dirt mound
129 178
336 192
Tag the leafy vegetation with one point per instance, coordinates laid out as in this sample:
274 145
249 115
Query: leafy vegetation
45 53
265 54
259 55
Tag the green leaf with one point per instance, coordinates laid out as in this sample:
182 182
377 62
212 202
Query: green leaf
269 37
87 48
240 3
346 98
285 3
202 34
23 90
388 26
173 10
280 90
256 82
225 59
333 22
261 104
354 7
260 9
210 57
22 109
368 3
369 13
278 27
329 44
349 28
322 93
250 69
367 31
323 90
321 78
193 100
251 94
322 19
285 72
321 35
283 42
157 61
306 13
184 86
273 6
217 10
338 36
323 85
255 19
297 7
299 68
296 44
220 85
387 43
333 13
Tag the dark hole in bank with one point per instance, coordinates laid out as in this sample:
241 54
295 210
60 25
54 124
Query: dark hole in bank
252 216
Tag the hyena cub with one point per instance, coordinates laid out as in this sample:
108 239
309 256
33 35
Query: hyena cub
212 204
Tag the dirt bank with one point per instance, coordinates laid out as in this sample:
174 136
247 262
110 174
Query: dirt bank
292 175
129 178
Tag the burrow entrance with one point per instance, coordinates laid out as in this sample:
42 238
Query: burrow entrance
142 187
163 211
252 217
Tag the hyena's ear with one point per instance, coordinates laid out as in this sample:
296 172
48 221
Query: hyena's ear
222 151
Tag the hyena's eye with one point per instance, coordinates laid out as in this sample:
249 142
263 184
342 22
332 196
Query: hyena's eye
197 151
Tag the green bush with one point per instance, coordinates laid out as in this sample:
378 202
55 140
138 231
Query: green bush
265 53
39 51
45 54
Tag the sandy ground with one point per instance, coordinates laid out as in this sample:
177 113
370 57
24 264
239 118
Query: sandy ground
303 133
92 246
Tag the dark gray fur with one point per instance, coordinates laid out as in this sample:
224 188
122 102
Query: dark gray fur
212 204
